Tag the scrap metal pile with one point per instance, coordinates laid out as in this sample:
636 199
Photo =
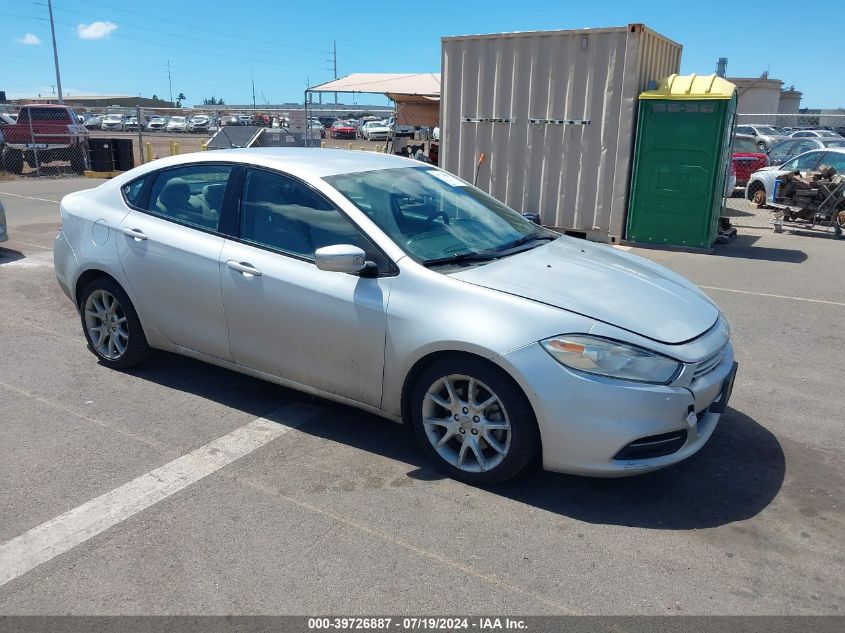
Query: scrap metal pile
814 200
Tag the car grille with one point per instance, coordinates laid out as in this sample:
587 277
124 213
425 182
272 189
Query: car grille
653 446
708 364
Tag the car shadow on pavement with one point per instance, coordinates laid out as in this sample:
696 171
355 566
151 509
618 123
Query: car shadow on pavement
8 255
732 478
742 247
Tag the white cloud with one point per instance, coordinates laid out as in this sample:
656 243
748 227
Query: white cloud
95 30
28 39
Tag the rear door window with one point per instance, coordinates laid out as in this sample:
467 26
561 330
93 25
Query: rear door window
191 194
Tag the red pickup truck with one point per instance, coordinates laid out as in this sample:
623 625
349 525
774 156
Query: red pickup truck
43 134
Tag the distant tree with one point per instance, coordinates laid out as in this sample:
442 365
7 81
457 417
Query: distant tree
155 97
180 99
212 100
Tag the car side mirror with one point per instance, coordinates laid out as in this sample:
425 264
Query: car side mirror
341 258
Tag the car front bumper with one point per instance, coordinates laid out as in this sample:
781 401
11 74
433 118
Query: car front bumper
591 425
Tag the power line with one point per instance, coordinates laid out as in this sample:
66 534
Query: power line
180 35
268 62
198 28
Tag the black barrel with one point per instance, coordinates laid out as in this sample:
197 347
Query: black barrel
100 150
122 151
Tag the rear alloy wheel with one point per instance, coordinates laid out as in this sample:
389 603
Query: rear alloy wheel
473 422
111 325
757 194
761 146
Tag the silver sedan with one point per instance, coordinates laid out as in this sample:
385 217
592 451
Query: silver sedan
400 289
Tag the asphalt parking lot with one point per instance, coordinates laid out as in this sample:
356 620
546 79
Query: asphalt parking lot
336 512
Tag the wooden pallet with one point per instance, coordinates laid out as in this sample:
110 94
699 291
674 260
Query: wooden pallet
101 174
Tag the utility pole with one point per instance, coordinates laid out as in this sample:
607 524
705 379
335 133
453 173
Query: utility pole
55 51
169 82
253 92
334 56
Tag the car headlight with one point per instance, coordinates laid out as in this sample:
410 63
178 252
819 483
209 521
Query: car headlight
611 358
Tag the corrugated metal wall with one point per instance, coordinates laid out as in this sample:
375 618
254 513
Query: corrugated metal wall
576 176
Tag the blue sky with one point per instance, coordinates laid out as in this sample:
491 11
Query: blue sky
217 47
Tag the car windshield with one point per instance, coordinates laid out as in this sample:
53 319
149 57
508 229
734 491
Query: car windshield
177 119
839 143
768 130
437 218
826 133
113 117
745 145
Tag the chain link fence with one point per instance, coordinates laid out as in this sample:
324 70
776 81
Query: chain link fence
790 173
62 141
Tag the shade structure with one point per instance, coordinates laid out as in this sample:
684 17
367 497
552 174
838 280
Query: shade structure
417 95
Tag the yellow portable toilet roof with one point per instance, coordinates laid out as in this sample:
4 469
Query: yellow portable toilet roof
693 86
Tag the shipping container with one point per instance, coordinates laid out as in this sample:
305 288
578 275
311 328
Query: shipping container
554 113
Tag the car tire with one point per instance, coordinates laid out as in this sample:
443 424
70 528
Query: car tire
761 146
757 193
503 436
77 159
97 311
12 160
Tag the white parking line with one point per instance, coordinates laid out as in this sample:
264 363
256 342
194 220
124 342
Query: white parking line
17 195
56 536
766 294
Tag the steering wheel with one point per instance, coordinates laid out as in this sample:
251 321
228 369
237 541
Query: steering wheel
429 221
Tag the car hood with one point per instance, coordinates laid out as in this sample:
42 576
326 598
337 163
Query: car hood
604 284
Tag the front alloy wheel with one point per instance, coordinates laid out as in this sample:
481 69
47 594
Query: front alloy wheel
466 423
473 421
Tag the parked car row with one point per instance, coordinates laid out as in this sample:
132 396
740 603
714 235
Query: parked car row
757 151
767 136
117 122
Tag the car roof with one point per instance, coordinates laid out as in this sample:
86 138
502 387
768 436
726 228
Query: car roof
305 162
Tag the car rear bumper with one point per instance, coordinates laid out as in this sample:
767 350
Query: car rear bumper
65 264
597 426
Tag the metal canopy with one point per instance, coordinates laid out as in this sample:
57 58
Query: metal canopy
396 86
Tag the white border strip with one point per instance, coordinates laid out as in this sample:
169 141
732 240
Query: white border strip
766 294
56 536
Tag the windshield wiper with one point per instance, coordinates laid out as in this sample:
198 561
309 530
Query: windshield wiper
460 258
526 239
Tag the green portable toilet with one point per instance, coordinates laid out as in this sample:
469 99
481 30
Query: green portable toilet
681 160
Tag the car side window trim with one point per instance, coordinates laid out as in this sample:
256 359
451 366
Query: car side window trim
152 176
392 268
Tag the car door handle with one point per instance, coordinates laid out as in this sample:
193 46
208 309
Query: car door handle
243 267
138 234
